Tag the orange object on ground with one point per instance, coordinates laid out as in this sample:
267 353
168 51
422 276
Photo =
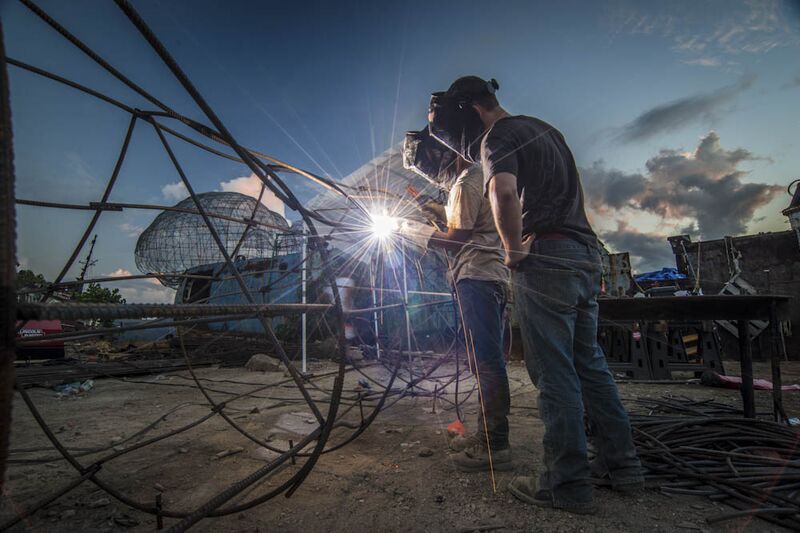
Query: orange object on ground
456 428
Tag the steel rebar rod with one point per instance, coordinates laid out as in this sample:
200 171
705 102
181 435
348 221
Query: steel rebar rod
78 311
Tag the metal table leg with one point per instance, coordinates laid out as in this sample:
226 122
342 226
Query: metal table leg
777 355
746 361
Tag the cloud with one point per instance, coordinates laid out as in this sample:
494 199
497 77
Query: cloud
251 186
703 107
175 191
648 251
610 188
704 62
131 230
712 28
141 293
791 84
701 192
118 273
81 171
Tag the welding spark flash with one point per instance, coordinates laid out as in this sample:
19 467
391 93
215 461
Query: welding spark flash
383 225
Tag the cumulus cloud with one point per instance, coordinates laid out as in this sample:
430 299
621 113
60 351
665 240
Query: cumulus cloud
251 186
611 189
175 191
118 273
131 230
705 186
140 293
704 107
648 251
147 290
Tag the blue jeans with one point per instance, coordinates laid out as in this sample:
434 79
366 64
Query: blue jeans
482 304
555 296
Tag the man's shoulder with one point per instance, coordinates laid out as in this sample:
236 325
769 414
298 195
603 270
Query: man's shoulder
516 131
523 122
472 178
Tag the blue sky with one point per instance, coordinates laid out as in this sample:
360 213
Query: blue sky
647 94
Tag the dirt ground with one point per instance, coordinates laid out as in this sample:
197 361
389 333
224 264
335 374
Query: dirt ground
379 482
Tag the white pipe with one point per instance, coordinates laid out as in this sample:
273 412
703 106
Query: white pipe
372 279
405 299
304 277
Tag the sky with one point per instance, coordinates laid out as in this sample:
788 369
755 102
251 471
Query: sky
683 116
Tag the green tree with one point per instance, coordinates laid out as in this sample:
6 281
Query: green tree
28 279
94 293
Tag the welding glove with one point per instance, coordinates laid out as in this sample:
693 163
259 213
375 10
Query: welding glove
436 209
418 233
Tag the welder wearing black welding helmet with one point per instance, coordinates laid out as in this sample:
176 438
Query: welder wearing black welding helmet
454 121
480 280
429 158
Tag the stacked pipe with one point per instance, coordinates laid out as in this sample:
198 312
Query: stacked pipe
707 449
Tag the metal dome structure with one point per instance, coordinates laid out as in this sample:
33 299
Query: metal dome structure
178 239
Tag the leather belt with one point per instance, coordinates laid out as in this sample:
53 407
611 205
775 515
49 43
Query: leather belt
552 236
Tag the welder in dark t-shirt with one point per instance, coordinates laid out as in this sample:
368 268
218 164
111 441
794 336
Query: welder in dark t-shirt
534 188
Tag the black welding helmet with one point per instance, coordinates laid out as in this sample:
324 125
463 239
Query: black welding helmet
454 121
428 157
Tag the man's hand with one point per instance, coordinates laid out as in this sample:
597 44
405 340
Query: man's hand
436 209
515 257
418 233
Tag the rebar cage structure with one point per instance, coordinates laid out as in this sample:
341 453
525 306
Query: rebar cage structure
179 239
219 229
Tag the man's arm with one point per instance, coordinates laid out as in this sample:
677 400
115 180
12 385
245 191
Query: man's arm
451 241
465 200
507 213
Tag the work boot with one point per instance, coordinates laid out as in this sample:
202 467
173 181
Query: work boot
460 443
524 488
476 459
627 482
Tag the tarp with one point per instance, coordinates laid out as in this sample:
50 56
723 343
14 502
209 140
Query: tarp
665 274
712 379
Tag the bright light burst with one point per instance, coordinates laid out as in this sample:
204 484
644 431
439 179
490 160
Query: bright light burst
383 225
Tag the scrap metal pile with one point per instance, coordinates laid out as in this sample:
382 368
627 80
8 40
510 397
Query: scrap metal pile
707 449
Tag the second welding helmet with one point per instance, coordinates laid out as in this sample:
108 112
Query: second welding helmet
428 157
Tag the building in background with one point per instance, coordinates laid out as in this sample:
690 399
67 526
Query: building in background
765 263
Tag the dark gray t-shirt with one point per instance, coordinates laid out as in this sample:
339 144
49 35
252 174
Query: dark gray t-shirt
548 183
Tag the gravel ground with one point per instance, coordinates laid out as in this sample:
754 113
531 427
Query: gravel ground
397 476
